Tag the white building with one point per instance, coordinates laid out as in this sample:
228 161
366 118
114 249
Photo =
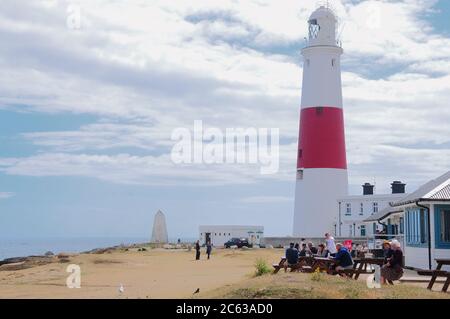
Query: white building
425 220
220 234
354 210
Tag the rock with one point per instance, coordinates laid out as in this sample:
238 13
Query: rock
49 254
13 266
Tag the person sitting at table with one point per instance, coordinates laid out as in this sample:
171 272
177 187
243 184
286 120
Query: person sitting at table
393 269
387 251
297 246
343 258
303 252
321 251
312 249
291 255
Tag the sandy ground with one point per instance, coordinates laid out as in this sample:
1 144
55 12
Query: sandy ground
156 273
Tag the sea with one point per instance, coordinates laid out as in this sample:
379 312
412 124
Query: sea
14 247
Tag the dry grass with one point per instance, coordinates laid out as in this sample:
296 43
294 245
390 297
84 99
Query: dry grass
304 286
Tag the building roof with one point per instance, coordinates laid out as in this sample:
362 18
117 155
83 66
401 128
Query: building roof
382 214
435 190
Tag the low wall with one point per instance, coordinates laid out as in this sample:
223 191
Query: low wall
279 242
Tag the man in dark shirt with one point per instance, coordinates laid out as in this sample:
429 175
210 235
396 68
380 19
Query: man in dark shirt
312 249
343 258
292 255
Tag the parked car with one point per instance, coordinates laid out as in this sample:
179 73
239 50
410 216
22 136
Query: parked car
239 242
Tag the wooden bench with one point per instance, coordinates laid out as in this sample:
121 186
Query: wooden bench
280 265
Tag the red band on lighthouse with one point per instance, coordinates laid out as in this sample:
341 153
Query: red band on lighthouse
322 138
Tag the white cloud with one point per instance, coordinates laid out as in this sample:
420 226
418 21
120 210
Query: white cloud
147 68
266 199
4 195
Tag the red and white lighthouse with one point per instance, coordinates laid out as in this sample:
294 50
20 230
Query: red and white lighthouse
321 160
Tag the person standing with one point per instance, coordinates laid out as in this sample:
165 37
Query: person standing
197 250
208 248
331 245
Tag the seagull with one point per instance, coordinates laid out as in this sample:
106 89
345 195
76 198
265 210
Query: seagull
197 291
121 289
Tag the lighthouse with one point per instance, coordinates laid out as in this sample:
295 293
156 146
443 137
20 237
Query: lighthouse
321 159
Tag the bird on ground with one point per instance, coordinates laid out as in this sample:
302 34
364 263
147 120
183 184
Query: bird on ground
121 288
197 291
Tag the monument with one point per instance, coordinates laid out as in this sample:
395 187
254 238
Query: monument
159 233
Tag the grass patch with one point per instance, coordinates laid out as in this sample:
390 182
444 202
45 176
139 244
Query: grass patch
262 267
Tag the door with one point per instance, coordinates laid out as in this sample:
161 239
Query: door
207 238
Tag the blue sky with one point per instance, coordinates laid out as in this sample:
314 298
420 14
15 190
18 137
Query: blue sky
86 114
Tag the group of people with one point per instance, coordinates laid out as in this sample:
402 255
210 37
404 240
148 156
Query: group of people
197 249
393 261
390 271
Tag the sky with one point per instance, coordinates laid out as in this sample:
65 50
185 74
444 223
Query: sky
91 91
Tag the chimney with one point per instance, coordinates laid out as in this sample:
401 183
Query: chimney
398 187
368 189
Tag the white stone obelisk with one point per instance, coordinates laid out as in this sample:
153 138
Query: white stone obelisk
159 233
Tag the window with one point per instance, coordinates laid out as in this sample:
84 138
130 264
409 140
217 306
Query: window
363 230
442 222
361 208
229 234
402 226
374 228
375 207
314 29
348 210
416 227
333 62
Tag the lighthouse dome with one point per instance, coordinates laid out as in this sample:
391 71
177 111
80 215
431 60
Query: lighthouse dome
322 27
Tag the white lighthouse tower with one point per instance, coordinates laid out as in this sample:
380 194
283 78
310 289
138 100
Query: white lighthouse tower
321 159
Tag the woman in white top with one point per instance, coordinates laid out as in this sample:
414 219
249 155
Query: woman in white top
331 245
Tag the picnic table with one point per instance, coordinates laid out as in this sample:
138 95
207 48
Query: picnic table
360 265
438 272
303 263
323 263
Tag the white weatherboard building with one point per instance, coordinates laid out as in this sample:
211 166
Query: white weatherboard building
425 221
220 234
321 158
354 210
